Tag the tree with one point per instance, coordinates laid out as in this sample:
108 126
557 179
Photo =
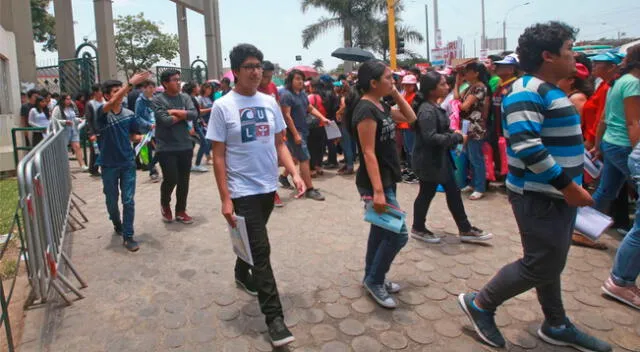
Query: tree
44 24
318 64
140 44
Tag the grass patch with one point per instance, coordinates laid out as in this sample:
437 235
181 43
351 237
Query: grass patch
9 195
8 269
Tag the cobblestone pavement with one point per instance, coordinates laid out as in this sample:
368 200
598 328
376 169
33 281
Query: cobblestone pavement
178 293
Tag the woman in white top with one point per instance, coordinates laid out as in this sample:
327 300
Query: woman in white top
65 111
38 118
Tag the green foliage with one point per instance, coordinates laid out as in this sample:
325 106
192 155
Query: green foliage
44 23
9 191
8 269
318 64
140 44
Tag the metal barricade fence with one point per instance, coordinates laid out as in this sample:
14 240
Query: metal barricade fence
44 180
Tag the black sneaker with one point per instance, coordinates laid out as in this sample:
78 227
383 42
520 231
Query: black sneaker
117 229
131 245
572 337
380 294
248 285
425 236
475 234
279 334
284 181
314 194
331 166
483 322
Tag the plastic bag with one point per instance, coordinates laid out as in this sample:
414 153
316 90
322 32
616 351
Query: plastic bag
487 151
504 161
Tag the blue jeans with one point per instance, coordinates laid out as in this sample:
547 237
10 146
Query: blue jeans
125 179
615 173
626 265
383 245
476 161
409 138
347 146
205 145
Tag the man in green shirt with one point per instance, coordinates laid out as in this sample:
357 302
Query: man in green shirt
489 63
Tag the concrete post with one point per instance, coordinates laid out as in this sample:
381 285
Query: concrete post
22 27
212 38
106 41
65 37
183 35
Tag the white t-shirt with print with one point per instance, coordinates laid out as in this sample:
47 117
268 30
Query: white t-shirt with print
247 125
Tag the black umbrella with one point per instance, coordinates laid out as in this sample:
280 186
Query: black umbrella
353 54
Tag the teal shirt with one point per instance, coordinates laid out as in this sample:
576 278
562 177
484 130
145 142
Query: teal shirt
616 132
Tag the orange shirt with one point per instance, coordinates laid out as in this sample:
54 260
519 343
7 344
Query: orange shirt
592 111
409 99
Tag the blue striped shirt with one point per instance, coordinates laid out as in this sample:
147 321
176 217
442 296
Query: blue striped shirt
544 138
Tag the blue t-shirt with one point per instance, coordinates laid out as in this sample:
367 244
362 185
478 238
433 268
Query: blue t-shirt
614 116
114 129
247 126
299 104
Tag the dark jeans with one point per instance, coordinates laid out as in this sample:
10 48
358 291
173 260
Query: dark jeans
383 245
118 181
615 173
332 152
454 202
545 225
205 145
315 142
256 210
93 157
176 170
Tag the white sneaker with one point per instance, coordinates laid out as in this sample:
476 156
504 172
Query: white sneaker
476 195
467 189
85 168
199 168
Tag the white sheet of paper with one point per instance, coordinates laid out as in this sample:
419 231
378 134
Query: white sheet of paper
143 142
333 131
592 223
240 240
593 168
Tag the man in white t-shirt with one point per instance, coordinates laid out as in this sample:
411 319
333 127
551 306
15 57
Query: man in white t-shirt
247 129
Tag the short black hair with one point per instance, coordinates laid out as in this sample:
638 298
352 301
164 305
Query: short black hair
268 66
55 95
495 58
189 87
23 94
241 52
97 87
44 93
31 92
416 71
108 85
166 75
539 38
342 76
225 80
147 82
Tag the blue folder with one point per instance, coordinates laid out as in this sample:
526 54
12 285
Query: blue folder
392 219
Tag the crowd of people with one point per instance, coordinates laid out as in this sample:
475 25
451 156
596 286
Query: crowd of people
523 119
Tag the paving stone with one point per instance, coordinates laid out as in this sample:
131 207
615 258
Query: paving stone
377 324
435 294
175 306
618 317
502 318
393 340
262 343
257 325
426 266
589 299
365 344
404 316
411 297
599 261
312 315
476 284
455 287
522 314
236 345
450 306
527 296
147 312
224 299
174 321
417 282
252 309
323 332
520 338
351 292
626 339
305 300
337 311
482 269
292 318
328 296
201 317
440 277
174 339
429 311
351 327
595 321
186 274
161 298
228 313
335 346
233 328
421 334
203 334
363 305
448 328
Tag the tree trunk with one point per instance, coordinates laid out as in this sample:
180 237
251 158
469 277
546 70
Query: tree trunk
348 65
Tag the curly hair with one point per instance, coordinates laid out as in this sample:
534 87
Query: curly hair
539 38
241 52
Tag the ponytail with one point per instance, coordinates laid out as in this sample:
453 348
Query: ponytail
351 101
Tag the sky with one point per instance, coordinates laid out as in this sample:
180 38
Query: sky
275 26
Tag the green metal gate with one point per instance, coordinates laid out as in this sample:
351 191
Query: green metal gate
197 72
71 75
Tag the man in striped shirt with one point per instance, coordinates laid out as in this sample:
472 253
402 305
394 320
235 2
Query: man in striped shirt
545 173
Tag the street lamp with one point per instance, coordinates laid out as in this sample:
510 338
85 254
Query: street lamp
504 23
612 26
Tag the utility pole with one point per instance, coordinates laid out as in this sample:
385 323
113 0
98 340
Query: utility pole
391 19
436 24
504 34
426 16
483 39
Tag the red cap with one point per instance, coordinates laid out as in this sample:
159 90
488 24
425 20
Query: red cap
581 71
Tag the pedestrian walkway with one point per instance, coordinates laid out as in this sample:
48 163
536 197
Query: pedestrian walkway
178 292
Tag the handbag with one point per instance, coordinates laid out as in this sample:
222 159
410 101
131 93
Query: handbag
312 121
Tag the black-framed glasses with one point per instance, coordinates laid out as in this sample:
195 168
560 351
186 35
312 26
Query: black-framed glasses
250 67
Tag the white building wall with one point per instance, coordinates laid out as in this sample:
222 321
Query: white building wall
10 114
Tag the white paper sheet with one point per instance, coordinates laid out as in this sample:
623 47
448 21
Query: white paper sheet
593 168
240 240
333 131
592 223
143 142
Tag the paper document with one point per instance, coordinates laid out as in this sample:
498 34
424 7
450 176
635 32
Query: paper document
240 240
333 131
465 127
592 223
143 142
593 168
